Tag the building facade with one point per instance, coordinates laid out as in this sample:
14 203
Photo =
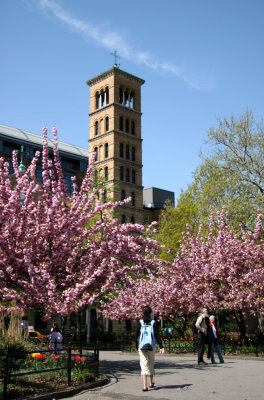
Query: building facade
74 159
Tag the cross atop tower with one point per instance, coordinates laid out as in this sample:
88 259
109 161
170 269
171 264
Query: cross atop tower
116 56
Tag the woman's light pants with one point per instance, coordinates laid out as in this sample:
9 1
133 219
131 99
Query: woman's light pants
147 359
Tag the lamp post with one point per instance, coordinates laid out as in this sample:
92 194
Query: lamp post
21 166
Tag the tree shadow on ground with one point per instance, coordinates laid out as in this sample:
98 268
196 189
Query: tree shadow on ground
120 369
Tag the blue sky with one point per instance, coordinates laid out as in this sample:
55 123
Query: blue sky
201 60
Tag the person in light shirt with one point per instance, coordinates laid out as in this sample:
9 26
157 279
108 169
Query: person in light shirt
215 346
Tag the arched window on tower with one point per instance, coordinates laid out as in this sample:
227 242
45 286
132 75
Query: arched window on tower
123 195
133 128
106 173
123 219
131 103
132 219
121 150
133 154
97 99
107 95
127 175
121 124
133 176
126 102
127 126
96 128
121 173
132 199
102 94
106 150
121 93
107 124
127 152
96 153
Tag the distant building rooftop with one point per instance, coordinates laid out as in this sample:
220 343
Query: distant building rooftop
22 135
154 198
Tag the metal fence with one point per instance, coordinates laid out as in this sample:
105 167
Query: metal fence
253 347
91 358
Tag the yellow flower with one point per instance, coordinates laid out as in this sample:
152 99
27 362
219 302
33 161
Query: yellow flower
35 354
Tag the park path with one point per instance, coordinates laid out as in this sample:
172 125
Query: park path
179 377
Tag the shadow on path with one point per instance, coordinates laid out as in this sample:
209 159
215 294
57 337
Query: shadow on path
124 368
183 387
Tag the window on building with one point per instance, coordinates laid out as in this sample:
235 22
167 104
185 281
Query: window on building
68 181
123 195
105 196
126 102
132 219
102 94
107 124
121 96
96 153
97 99
106 173
133 154
127 175
121 150
121 173
106 150
8 147
107 95
127 152
132 199
39 173
11 168
131 105
121 123
123 219
133 176
70 163
133 128
127 126
96 128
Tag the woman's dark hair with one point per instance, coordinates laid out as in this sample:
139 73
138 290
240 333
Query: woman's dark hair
147 313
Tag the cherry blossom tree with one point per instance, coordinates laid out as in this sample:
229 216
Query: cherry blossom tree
60 252
220 271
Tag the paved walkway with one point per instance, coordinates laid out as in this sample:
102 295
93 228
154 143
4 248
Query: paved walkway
179 378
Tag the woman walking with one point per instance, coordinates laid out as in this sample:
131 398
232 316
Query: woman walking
147 334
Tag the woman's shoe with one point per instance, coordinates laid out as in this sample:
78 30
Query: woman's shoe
145 390
152 386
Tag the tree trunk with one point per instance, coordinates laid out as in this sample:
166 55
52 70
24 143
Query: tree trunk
79 327
261 323
240 320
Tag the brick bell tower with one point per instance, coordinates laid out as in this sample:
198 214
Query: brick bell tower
115 137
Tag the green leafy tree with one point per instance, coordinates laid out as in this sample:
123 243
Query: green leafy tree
232 173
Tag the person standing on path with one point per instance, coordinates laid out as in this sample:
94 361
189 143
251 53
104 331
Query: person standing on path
214 343
202 326
147 334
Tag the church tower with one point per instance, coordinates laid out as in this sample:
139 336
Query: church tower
115 137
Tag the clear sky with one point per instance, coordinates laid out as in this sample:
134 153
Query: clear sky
201 60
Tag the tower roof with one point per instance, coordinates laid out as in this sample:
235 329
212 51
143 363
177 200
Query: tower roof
114 71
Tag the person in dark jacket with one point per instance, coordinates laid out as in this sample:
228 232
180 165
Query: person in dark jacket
147 357
202 324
